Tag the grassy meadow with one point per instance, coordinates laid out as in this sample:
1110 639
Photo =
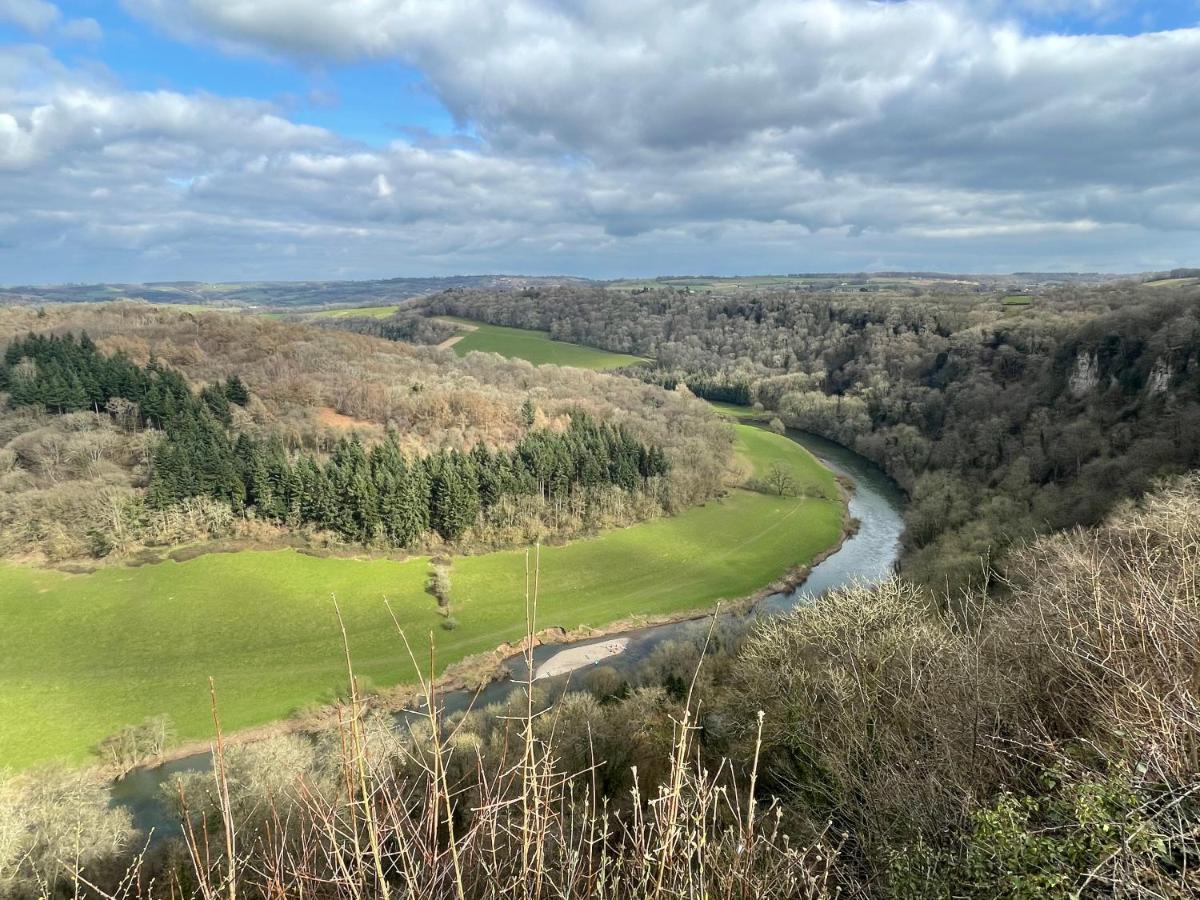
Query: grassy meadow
86 654
733 411
356 312
1173 282
535 346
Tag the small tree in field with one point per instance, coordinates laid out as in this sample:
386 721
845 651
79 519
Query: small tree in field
781 481
439 584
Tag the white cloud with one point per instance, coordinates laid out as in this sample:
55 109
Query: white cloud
32 15
933 83
745 133
86 30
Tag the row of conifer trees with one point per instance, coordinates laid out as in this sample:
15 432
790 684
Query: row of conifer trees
364 494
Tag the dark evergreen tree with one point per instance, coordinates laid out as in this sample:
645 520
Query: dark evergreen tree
454 496
236 391
218 404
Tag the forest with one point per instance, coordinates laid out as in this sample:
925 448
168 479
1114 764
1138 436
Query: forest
240 427
403 325
1091 393
362 495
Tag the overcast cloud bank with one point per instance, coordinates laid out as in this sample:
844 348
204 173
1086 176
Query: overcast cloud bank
602 139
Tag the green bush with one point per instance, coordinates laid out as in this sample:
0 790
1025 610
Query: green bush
1083 837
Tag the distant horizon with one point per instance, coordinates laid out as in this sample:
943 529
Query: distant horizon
928 273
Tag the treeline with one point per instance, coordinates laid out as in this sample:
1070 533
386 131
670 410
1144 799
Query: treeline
739 393
403 325
375 495
379 495
1000 423
65 374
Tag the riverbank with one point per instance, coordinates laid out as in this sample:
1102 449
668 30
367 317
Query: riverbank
92 653
474 673
575 658
867 555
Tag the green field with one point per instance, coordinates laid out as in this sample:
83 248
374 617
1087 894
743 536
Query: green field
365 312
86 654
1172 282
535 346
733 411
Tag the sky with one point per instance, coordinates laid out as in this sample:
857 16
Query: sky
240 140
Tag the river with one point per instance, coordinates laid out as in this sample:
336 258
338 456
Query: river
866 556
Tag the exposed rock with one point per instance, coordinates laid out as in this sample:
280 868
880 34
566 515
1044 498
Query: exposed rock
1160 377
1086 375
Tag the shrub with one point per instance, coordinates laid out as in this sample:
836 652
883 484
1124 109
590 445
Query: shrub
52 821
1113 835
136 744
1106 624
871 707
100 544
439 583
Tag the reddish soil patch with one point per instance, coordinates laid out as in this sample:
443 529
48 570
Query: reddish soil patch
331 417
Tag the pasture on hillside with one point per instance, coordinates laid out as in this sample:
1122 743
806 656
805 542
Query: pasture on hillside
87 654
733 411
355 312
534 346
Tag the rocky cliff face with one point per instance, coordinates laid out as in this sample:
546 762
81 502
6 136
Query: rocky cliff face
1085 376
1160 377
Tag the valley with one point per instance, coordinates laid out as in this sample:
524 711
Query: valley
94 652
190 493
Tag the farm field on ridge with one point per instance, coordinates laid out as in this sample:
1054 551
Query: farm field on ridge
91 653
366 312
535 346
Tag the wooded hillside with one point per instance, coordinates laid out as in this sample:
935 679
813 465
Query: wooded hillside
1000 420
74 471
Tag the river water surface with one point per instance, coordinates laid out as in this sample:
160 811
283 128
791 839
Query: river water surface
866 557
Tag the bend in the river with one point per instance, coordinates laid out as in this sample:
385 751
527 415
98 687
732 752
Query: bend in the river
866 556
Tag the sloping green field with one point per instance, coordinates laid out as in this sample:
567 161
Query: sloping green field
365 312
535 346
86 654
733 411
